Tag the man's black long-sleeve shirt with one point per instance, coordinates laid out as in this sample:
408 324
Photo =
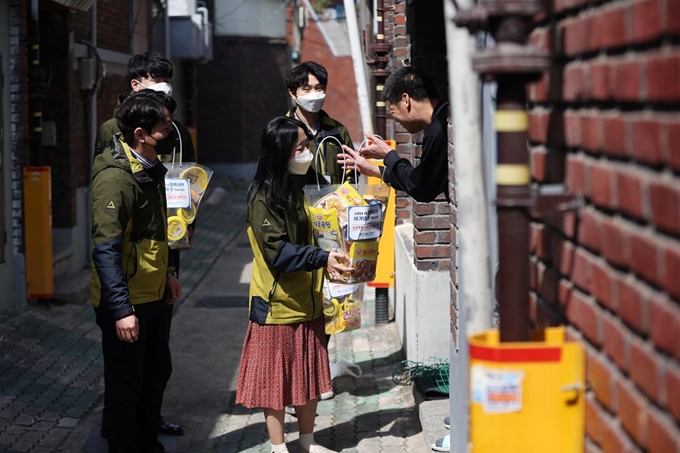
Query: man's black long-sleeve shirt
431 177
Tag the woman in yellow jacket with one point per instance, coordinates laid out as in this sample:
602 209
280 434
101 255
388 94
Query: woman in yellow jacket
285 360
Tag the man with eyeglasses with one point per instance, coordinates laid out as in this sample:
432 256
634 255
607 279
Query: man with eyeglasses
415 104
153 71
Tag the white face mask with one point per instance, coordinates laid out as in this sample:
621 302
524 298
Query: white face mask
164 87
312 102
299 164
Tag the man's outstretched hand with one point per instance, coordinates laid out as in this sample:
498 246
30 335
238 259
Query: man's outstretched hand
351 160
378 149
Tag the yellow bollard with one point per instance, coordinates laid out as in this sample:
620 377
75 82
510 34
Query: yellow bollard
384 274
38 232
527 397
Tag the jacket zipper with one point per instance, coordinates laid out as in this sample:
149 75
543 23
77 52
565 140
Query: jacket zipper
273 290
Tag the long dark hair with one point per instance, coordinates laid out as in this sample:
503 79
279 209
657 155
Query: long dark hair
272 178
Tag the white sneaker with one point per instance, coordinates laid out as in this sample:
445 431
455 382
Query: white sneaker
327 396
315 449
290 410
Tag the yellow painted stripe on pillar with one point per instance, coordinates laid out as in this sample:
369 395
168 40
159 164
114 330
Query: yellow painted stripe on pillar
37 114
379 18
511 121
513 174
37 129
35 62
379 87
380 104
35 46
379 36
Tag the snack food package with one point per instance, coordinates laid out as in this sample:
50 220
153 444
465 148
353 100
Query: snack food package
363 257
326 229
340 199
341 314
185 186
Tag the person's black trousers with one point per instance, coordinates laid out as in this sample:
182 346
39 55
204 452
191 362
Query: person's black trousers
135 376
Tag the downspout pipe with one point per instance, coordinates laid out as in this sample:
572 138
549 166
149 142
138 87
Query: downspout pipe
359 68
381 50
92 121
166 20
93 96
511 63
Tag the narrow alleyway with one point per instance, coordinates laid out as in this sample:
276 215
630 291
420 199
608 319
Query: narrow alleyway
51 377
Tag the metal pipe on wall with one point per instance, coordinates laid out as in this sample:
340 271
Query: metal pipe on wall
166 19
512 63
93 98
36 88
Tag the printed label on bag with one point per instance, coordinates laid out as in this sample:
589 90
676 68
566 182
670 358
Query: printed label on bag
178 193
364 223
341 289
498 391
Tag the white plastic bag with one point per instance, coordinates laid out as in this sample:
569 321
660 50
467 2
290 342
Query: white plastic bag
345 368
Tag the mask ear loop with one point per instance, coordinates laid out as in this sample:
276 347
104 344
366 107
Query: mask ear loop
339 144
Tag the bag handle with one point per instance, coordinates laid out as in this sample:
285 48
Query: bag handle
316 160
361 145
174 148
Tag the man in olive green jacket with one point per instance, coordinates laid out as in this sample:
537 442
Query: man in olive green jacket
133 280
153 71
306 85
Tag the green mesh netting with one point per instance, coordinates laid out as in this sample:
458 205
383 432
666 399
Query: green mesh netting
434 371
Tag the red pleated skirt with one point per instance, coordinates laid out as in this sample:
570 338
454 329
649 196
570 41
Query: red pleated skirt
283 364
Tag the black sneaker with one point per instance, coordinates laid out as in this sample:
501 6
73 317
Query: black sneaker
171 429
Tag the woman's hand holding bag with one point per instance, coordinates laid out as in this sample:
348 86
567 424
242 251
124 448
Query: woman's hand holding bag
336 271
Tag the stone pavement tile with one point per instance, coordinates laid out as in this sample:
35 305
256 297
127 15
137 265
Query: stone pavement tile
22 446
32 436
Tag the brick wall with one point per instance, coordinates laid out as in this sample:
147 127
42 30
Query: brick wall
57 108
342 102
241 89
395 34
107 95
114 25
606 120
431 222
69 106
18 66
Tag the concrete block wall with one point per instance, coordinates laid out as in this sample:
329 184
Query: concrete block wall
606 120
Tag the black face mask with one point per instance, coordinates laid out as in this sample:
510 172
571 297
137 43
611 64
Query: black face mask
169 143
